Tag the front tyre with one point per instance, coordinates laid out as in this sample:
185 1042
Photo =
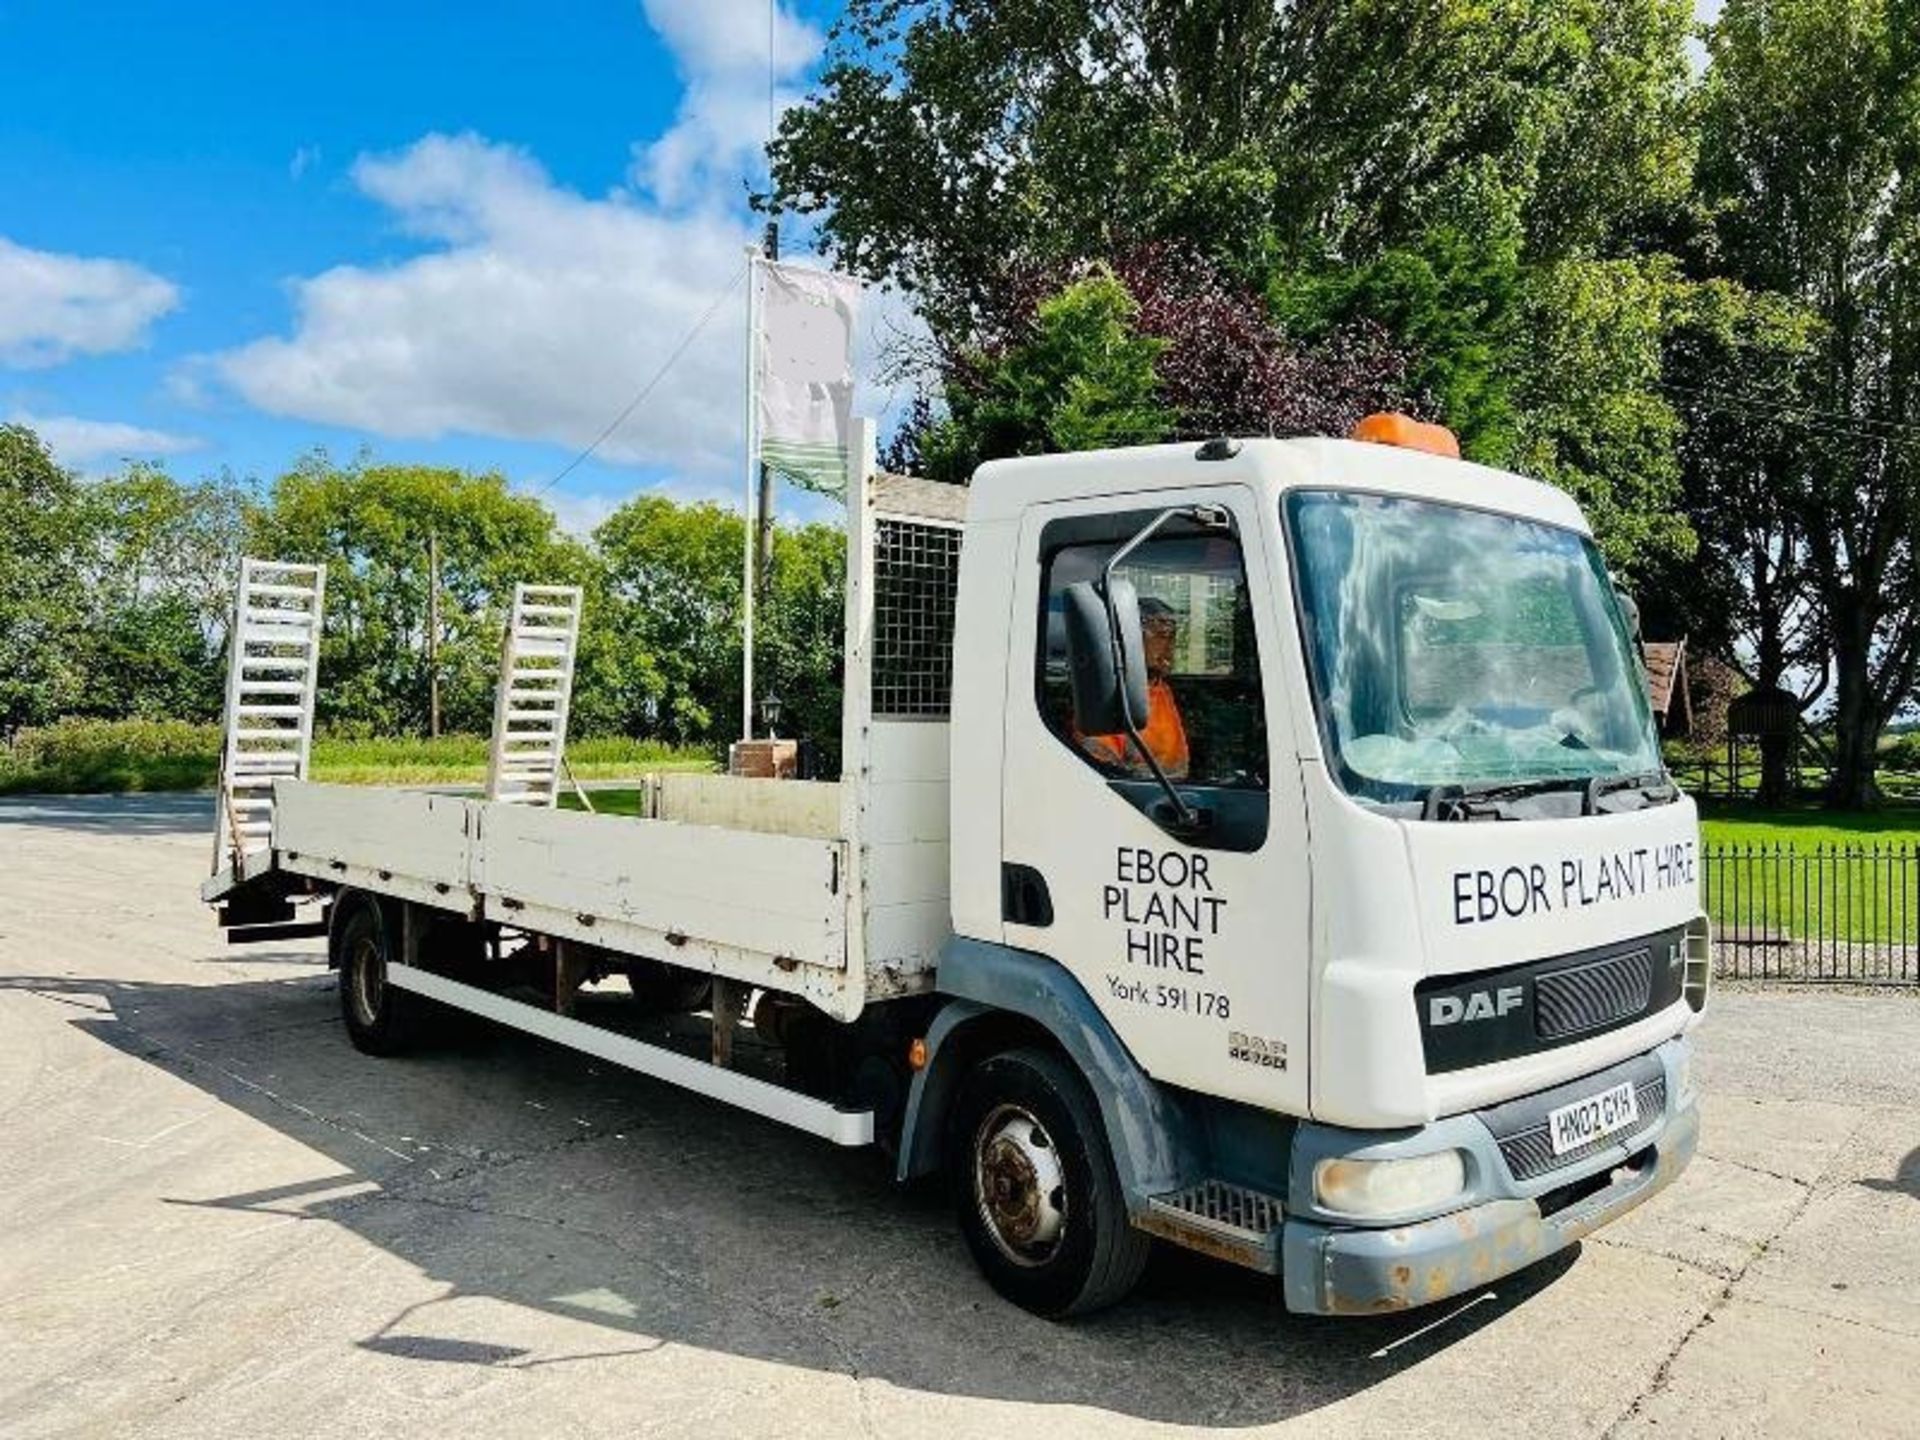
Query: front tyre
1039 1199
378 1015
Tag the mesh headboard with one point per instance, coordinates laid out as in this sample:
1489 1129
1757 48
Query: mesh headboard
916 577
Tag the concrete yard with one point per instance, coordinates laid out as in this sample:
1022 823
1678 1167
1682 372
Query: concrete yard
216 1218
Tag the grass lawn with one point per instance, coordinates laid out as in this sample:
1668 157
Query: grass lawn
605 802
1808 873
111 757
1807 827
462 760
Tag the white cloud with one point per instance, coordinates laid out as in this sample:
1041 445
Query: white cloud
537 312
721 48
304 159
579 514
79 443
537 316
53 307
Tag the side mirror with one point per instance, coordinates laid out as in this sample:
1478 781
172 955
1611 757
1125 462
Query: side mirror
1091 656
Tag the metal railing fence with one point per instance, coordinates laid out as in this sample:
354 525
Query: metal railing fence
1819 914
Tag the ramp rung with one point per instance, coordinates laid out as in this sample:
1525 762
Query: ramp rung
279 619
287 641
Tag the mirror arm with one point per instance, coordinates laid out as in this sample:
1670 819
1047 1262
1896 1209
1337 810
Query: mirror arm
1187 817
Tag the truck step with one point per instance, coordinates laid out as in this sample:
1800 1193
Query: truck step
1229 1222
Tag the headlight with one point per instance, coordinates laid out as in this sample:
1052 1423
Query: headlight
1390 1187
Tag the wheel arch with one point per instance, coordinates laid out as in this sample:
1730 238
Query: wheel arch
1004 998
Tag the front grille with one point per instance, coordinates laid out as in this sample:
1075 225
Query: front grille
1529 1152
1587 997
1481 1017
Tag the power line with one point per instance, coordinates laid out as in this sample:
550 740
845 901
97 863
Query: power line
1809 417
648 388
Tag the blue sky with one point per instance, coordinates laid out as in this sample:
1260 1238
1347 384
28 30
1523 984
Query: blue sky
455 233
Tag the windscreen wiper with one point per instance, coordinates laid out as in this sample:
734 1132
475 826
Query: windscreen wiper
1656 786
1448 801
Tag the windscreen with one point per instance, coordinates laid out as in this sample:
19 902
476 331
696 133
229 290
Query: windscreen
1450 646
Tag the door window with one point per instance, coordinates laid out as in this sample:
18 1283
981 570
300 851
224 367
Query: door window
1206 723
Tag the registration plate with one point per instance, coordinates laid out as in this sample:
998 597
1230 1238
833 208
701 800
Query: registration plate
1585 1121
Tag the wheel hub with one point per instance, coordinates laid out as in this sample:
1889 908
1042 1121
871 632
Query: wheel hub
1019 1185
369 980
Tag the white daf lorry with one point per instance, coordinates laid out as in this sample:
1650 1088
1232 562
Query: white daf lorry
1259 846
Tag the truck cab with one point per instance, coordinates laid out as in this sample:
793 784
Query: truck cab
1399 935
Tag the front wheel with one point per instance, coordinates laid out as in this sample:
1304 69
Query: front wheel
1039 1199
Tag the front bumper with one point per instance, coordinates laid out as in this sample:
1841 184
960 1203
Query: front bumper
1334 1269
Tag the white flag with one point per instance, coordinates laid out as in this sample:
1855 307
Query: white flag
804 374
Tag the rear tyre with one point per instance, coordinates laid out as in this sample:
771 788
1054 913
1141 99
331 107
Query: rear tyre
1039 1199
379 1016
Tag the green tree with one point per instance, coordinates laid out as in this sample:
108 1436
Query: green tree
1738 367
160 575
1452 299
1434 168
1079 379
673 581
947 140
372 525
1590 416
1811 163
44 528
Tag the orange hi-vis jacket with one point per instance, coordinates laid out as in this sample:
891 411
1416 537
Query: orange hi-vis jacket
1165 735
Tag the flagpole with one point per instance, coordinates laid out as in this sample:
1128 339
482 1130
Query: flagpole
749 529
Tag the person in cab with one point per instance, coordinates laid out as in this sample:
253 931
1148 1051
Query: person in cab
1162 729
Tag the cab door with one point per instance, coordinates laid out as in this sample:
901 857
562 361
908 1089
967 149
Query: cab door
1191 940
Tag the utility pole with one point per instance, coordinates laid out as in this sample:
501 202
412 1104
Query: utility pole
770 247
433 634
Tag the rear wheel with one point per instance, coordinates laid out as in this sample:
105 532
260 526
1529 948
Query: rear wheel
1039 1199
379 1016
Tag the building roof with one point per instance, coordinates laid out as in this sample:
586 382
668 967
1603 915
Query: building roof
1664 660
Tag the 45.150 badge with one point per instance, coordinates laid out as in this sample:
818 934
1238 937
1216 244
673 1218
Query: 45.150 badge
1268 1054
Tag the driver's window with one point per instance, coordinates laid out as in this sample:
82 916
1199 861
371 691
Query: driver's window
1205 722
